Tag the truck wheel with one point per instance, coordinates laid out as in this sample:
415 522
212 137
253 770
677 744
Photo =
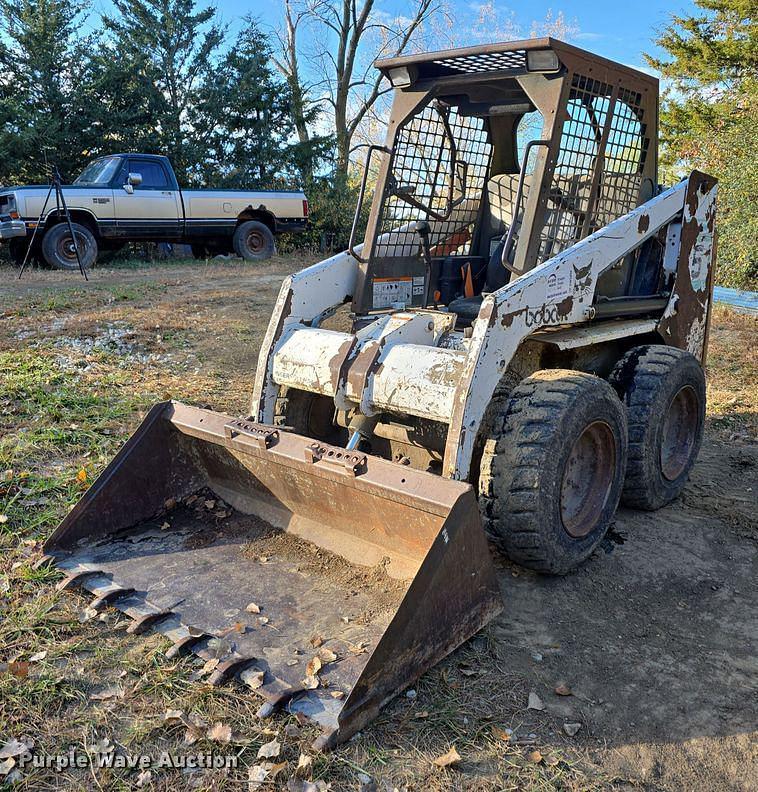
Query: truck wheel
552 469
253 241
58 247
663 389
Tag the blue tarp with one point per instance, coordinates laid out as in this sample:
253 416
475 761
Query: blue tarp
742 301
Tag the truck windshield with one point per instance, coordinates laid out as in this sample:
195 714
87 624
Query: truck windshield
100 171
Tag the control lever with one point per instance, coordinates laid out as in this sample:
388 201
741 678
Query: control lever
422 229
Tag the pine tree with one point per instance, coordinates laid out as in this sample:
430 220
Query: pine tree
709 119
243 117
170 44
45 117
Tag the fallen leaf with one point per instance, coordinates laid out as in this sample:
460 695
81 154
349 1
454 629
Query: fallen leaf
145 777
501 734
106 693
275 769
236 627
452 757
87 614
535 756
571 728
173 715
316 641
220 732
254 679
3 518
263 620
314 666
421 715
13 748
210 504
37 656
337 694
304 765
209 665
551 761
310 682
292 662
469 672
165 526
535 702
269 750
7 765
563 690
256 775
169 503
253 608
326 655
81 476
19 668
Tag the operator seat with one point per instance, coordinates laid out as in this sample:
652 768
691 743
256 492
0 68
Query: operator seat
499 209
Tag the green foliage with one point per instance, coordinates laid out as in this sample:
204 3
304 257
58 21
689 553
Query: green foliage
708 120
332 202
160 77
42 113
243 118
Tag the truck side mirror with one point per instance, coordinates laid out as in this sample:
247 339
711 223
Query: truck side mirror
132 180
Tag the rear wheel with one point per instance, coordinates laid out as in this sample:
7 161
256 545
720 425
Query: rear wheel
663 389
58 246
253 241
552 469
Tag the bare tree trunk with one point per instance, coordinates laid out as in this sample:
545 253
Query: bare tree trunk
353 91
288 65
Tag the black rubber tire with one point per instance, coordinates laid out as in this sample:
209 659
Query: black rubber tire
523 470
58 238
254 241
665 433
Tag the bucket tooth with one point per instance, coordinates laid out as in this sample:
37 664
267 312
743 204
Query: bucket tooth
147 620
110 595
228 668
185 645
76 578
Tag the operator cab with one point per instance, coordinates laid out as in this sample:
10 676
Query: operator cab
497 158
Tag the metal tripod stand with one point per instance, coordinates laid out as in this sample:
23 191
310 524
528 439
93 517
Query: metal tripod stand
60 203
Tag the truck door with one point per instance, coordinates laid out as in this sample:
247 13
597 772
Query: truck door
153 209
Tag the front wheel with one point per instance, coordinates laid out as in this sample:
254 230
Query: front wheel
58 247
253 241
552 469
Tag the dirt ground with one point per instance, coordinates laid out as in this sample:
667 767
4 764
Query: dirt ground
654 638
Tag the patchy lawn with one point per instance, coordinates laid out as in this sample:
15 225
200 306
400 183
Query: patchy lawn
653 637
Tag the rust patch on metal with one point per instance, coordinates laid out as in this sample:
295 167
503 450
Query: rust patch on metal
565 306
337 363
685 322
643 224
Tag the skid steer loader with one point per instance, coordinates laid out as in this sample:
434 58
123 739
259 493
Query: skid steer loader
516 345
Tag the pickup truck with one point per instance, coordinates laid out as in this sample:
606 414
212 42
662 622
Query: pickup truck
135 197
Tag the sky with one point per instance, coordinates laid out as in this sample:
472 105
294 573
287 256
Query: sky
618 29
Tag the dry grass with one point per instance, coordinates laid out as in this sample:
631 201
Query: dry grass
78 365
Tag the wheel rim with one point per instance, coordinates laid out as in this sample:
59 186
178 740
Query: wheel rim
679 433
256 242
587 479
66 249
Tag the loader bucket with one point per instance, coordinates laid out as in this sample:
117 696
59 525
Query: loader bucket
264 549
